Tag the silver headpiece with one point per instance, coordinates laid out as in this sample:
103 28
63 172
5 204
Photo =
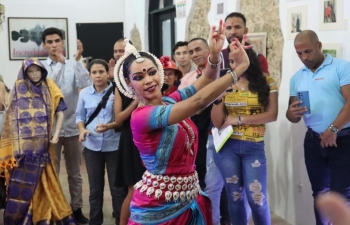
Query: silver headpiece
118 69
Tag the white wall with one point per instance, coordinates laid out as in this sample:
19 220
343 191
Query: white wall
136 13
77 11
290 193
232 6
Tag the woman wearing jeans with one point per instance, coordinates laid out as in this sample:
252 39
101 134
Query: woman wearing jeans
250 104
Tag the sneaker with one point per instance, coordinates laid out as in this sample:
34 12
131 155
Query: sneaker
79 217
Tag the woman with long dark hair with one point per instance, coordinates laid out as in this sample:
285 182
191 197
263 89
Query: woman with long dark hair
169 192
247 107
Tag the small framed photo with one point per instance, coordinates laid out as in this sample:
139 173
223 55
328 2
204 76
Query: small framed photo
220 9
331 15
296 20
258 41
25 36
333 49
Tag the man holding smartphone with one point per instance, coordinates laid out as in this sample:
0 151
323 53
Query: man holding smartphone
326 146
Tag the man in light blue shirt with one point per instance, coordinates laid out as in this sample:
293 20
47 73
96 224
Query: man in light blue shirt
327 141
69 75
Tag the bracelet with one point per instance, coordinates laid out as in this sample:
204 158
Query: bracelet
212 65
239 120
234 76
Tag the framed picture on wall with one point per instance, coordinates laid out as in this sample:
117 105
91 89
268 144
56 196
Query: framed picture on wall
220 9
331 15
334 49
25 36
296 20
258 40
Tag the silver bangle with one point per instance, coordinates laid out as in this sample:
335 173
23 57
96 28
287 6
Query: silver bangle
234 76
212 65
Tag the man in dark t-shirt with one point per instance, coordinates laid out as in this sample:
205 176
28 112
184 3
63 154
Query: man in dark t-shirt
236 28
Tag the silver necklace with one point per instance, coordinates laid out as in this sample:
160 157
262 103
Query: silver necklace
189 143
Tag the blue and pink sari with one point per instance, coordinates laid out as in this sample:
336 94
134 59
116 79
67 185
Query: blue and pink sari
169 192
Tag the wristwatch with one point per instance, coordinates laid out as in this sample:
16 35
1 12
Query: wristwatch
333 129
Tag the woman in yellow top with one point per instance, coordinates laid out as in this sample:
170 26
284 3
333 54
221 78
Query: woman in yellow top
247 107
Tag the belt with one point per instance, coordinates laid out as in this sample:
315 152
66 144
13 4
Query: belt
176 187
341 133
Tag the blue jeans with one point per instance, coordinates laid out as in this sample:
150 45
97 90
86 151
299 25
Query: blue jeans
213 181
242 165
328 168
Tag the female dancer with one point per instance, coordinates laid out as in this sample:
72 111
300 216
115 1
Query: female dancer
35 195
250 104
169 192
129 164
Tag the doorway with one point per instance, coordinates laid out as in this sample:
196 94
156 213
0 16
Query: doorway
162 23
99 38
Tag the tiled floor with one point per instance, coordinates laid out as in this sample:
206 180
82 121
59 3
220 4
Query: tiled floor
107 206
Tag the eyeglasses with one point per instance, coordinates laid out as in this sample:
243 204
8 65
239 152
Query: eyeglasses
169 75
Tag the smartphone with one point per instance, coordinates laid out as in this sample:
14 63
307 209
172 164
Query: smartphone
223 71
303 96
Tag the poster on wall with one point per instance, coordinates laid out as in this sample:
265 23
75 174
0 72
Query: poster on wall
2 16
331 15
296 20
220 9
258 41
25 36
181 8
333 49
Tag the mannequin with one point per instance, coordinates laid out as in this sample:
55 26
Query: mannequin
27 153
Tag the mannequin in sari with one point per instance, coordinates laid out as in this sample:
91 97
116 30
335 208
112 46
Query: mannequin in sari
34 193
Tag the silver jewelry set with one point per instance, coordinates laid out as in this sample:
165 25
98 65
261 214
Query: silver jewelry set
171 188
231 71
118 69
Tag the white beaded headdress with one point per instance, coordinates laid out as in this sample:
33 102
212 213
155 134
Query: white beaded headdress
118 69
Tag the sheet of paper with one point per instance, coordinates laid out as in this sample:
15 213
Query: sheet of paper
221 136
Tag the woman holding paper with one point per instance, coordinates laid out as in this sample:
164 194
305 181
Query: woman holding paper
250 104
167 139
